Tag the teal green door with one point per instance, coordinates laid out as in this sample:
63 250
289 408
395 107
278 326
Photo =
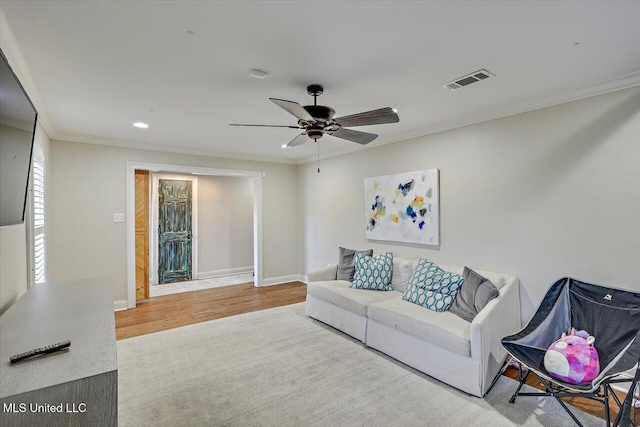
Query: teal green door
174 231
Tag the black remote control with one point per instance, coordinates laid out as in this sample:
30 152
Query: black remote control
42 350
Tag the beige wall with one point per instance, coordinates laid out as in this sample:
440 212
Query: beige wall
540 195
90 185
225 224
14 250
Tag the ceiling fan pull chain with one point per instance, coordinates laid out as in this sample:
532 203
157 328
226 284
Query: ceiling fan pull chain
318 155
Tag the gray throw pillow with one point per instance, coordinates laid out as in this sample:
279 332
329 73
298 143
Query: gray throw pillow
346 263
473 296
485 293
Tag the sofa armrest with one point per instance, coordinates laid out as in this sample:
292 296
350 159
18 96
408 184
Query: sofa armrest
501 317
327 273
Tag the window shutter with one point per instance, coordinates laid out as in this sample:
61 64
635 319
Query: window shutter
39 222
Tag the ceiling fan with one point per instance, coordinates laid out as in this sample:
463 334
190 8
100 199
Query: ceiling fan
317 120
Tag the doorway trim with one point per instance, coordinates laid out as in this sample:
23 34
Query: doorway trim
257 177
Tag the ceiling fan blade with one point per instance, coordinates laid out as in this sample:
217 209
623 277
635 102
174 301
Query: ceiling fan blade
374 117
355 135
298 140
267 126
294 108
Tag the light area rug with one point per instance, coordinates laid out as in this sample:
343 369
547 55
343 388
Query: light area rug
198 285
278 367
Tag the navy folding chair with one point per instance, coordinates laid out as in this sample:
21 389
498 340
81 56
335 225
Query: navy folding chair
611 315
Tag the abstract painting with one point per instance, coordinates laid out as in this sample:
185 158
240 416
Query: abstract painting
403 207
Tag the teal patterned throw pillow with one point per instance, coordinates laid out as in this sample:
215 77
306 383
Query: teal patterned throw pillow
373 272
431 277
432 287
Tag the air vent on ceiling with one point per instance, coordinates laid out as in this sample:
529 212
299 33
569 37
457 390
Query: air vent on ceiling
468 79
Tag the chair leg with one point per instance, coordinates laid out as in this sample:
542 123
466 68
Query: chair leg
607 412
624 416
523 379
566 408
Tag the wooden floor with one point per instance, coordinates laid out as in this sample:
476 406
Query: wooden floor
172 311
183 309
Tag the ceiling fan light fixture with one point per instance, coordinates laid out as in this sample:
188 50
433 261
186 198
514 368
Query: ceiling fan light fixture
258 74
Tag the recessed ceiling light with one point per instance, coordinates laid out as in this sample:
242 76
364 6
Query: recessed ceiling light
576 44
141 125
190 33
284 145
258 74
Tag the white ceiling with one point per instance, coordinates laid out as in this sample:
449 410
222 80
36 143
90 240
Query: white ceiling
100 66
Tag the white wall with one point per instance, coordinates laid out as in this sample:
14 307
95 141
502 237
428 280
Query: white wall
225 225
14 250
90 185
540 195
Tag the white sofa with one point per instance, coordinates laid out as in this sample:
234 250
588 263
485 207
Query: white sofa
464 355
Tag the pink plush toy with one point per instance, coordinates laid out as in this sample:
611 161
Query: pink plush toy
573 359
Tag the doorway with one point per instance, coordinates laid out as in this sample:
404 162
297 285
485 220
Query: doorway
203 232
256 214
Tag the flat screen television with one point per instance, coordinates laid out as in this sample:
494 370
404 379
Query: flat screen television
17 128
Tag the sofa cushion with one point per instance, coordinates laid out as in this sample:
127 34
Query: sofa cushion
474 294
444 329
346 263
373 272
401 274
339 293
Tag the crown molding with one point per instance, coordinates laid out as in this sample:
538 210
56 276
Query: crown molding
11 49
95 140
626 81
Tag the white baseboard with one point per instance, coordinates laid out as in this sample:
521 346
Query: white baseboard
224 272
270 281
119 305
